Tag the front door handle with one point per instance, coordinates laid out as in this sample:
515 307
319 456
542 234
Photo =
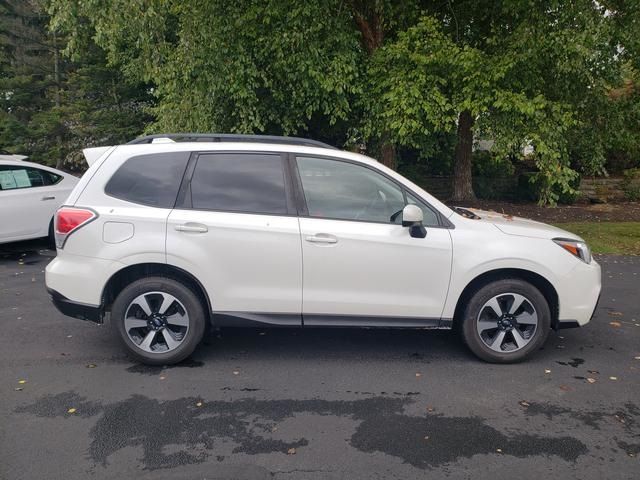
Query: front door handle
192 228
47 198
322 238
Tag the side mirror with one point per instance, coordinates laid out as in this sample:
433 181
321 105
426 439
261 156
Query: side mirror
412 217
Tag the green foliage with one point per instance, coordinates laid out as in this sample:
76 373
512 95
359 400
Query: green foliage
558 76
528 73
631 184
229 66
51 108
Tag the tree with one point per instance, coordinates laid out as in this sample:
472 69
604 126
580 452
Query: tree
516 72
387 73
51 107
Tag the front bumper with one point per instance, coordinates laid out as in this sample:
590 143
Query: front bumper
579 294
73 309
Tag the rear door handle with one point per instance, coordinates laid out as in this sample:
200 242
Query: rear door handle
192 228
47 198
322 238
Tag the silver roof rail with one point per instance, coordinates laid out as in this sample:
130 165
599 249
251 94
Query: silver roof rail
227 137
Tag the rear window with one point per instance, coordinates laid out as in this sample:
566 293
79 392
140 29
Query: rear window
239 182
152 180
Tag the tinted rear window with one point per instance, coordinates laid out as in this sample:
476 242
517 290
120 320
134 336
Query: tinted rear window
151 180
239 182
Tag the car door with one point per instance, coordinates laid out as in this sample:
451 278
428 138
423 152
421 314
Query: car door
235 228
27 201
361 266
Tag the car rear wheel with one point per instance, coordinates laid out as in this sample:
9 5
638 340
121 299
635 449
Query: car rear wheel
505 321
159 320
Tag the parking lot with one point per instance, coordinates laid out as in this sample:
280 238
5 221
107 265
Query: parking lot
314 404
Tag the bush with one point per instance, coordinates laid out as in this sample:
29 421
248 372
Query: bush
631 184
529 189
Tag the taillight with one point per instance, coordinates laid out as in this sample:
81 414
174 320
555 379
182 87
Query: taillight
70 219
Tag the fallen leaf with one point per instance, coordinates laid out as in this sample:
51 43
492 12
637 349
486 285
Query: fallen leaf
18 389
499 450
262 333
69 336
199 404
559 346
274 429
546 370
235 372
162 377
593 372
613 378
291 451
71 410
524 403
615 314
22 382
91 365
591 380
426 437
418 374
429 409
637 358
615 324
565 388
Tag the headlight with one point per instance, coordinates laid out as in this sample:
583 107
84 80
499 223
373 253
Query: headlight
576 248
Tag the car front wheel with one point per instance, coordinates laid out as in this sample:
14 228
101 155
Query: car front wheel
159 320
505 321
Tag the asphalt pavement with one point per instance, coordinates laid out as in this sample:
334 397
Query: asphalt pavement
314 404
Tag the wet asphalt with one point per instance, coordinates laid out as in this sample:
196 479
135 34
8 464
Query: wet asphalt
314 404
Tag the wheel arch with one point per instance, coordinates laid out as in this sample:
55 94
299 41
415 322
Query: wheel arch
125 276
546 288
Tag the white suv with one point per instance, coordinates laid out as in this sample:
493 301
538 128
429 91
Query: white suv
173 234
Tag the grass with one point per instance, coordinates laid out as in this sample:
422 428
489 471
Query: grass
608 237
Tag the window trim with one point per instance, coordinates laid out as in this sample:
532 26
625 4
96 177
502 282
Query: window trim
184 200
443 222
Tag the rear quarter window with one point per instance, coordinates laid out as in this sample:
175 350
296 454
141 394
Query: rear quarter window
152 180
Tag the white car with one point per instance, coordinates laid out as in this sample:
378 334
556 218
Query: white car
169 238
30 194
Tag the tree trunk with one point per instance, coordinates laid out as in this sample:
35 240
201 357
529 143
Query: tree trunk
369 19
462 185
56 70
388 155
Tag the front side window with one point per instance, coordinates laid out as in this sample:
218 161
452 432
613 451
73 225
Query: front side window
344 191
239 182
152 180
13 177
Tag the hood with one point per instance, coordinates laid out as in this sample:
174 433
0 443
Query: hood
522 226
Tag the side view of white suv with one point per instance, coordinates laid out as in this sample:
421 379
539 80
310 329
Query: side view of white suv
173 234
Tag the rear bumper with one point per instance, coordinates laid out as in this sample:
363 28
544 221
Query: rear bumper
73 309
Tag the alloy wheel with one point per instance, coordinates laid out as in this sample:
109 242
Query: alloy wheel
156 322
507 322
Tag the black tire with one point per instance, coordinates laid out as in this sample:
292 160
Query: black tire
51 237
188 299
483 295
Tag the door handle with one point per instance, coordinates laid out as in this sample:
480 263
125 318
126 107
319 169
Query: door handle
322 238
47 198
192 228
